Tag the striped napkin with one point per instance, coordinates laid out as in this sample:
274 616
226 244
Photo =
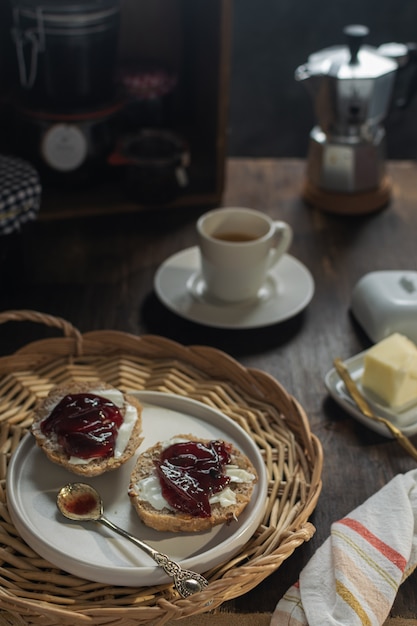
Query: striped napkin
353 578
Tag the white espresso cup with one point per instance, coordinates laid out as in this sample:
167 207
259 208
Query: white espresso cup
238 246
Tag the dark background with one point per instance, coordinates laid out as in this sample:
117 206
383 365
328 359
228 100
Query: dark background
270 114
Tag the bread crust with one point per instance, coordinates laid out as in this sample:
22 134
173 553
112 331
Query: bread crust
167 520
56 454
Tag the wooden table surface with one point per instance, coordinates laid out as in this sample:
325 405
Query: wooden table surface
98 274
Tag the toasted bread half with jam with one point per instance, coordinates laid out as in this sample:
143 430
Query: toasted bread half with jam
81 438
145 490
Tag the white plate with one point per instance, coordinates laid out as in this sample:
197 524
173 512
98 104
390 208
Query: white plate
405 420
90 550
287 291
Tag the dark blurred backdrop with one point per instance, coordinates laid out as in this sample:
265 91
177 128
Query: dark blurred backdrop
270 113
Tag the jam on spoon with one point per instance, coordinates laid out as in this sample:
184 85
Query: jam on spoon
86 425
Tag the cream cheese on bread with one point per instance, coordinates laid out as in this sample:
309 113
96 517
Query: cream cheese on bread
130 416
149 489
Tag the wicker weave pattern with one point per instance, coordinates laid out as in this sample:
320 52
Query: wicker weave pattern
32 591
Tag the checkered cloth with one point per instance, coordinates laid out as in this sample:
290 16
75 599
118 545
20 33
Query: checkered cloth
20 193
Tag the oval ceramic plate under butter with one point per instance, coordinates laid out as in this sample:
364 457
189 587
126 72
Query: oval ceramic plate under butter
96 554
405 420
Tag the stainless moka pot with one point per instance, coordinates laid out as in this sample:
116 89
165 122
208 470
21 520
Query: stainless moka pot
352 87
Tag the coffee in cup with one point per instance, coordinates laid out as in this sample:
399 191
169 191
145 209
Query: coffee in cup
238 246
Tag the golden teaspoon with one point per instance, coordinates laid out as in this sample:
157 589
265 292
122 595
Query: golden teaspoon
364 407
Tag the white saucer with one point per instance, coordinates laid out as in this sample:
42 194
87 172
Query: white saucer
405 420
287 291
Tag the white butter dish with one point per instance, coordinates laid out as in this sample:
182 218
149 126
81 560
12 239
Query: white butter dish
405 420
385 302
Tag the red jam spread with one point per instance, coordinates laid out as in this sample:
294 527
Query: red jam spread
86 425
81 504
191 472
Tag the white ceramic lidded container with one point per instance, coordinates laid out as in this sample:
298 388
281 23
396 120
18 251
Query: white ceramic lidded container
385 302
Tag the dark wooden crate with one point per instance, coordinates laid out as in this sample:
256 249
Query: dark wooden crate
193 37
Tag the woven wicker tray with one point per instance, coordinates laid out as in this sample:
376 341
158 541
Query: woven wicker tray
32 590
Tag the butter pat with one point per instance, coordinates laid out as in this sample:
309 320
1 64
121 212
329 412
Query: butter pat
390 370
